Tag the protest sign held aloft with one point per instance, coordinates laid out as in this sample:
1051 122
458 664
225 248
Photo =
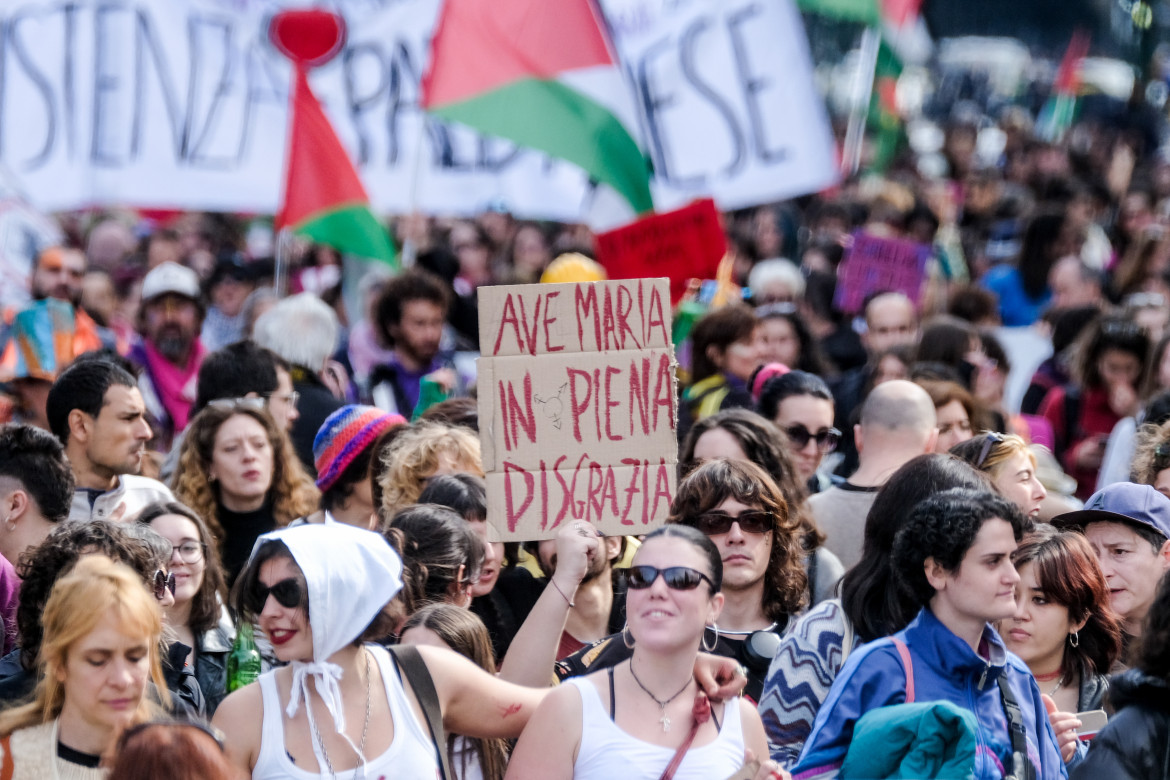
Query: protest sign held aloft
875 264
577 406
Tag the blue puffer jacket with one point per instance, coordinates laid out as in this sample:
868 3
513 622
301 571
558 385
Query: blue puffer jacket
945 669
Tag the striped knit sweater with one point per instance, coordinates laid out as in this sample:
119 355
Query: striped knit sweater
802 672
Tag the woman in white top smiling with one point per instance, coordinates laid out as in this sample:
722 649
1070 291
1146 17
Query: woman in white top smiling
646 718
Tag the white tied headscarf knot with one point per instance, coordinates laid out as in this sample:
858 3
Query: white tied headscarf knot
351 574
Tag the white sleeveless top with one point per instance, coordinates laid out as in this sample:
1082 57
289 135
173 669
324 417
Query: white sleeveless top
607 752
411 754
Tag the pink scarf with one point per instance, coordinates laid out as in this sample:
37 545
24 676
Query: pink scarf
175 386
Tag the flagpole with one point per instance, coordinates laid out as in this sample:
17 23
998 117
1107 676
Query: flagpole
862 94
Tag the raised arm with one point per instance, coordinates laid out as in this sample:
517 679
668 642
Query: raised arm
533 651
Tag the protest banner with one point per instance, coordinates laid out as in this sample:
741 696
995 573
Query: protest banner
184 104
684 244
577 406
874 264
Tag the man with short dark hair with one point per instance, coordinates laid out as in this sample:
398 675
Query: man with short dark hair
36 487
410 317
96 411
170 352
1128 526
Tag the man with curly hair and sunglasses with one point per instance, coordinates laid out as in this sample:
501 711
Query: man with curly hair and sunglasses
743 512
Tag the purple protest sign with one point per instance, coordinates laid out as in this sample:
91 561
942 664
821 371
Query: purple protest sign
875 264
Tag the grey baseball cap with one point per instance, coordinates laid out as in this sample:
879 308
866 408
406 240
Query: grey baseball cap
1122 502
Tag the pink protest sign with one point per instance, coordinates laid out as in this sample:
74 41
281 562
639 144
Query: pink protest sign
875 264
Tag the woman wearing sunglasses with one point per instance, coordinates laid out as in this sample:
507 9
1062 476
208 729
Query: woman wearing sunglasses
239 472
645 717
198 616
340 707
802 407
99 652
1011 465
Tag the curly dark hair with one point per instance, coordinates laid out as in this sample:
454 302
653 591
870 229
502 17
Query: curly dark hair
40 567
943 528
874 606
1152 655
712 483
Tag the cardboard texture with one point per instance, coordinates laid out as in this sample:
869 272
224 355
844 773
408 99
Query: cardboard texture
684 244
577 406
875 264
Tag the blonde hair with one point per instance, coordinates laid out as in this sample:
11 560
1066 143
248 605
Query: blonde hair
1001 449
78 604
292 491
414 454
1151 453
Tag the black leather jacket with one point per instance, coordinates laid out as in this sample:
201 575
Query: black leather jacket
1135 744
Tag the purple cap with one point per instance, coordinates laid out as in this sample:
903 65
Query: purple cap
1122 502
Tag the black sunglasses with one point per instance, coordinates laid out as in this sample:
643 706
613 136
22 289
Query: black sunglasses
675 577
162 583
753 521
826 438
287 593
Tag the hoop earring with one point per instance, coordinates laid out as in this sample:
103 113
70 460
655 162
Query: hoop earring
1074 640
714 642
627 637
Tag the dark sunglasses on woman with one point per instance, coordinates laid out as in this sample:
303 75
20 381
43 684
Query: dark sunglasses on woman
675 577
826 438
287 593
162 583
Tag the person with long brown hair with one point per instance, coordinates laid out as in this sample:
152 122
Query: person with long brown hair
239 472
744 435
446 625
99 652
198 617
1064 628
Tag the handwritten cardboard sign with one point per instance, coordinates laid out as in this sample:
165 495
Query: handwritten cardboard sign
875 264
684 244
577 406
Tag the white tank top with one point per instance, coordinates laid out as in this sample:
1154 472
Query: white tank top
607 752
411 754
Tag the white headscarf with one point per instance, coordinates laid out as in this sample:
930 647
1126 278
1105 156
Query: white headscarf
351 575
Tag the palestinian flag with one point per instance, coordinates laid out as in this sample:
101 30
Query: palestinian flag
542 74
884 118
323 198
1058 113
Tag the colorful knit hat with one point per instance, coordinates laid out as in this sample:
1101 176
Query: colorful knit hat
344 435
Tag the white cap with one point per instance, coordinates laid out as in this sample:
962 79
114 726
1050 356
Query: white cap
170 278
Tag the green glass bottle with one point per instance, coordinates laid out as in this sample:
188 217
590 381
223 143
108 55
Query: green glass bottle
243 662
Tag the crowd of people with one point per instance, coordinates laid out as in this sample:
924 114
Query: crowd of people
927 537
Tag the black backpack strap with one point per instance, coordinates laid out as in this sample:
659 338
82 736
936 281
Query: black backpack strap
411 664
1021 768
